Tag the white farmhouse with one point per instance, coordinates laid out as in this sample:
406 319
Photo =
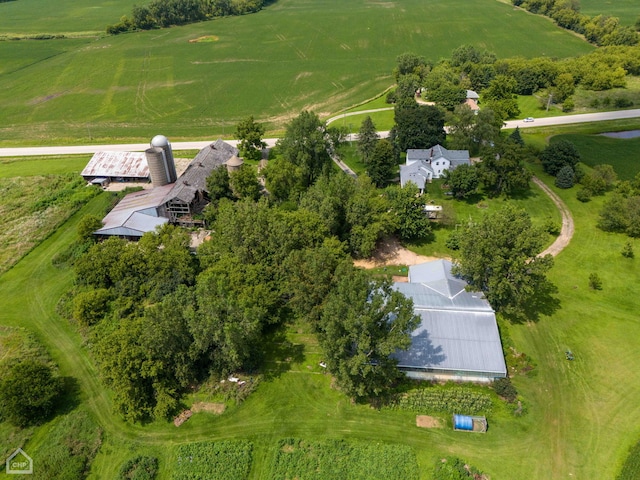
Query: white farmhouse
423 165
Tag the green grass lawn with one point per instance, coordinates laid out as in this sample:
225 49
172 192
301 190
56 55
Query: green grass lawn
622 154
320 55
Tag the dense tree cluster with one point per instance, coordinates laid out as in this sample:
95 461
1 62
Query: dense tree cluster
599 30
499 80
161 319
165 13
621 211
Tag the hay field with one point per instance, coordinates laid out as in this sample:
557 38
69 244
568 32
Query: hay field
323 55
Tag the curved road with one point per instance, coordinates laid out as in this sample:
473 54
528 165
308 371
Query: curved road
83 149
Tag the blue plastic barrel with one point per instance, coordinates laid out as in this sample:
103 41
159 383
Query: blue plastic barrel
462 422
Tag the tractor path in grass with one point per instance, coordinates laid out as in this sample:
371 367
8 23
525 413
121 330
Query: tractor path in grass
566 232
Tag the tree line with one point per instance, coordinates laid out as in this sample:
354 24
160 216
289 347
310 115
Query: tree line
601 30
165 13
499 80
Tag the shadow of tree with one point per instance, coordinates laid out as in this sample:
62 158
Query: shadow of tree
280 353
543 302
422 352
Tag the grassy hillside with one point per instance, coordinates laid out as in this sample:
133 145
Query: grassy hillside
321 55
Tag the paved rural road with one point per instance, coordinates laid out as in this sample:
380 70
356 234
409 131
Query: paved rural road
566 232
83 149
568 119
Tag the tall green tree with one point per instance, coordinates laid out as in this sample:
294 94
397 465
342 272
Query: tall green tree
306 144
29 391
558 154
418 126
503 171
382 162
462 181
499 256
244 183
250 134
407 212
367 139
363 322
500 96
218 184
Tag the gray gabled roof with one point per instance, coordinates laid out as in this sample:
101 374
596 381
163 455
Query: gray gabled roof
472 94
456 157
136 214
417 173
194 178
458 331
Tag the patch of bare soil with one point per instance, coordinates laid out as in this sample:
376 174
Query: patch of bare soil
216 408
390 252
425 421
183 417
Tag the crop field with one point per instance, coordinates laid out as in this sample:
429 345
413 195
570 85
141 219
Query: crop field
626 10
61 16
296 54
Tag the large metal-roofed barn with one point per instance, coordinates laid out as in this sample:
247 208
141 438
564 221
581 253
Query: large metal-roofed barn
458 337
189 194
117 167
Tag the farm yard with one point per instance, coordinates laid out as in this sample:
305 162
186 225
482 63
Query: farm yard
573 417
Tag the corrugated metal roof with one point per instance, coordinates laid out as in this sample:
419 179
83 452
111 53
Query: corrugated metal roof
455 341
458 329
117 164
136 212
194 178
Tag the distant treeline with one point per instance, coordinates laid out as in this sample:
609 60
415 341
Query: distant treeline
165 13
601 30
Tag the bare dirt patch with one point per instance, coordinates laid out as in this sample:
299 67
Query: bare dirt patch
426 421
204 39
183 417
390 252
217 408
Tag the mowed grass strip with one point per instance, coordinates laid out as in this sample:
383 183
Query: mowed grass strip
296 54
